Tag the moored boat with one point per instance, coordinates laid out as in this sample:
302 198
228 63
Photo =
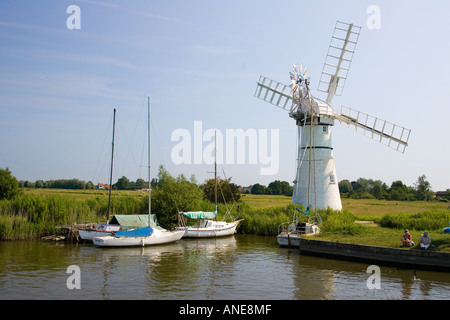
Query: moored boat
150 235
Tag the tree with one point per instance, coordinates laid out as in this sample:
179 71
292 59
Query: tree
398 191
171 195
9 186
345 187
258 189
227 192
423 189
280 188
39 184
140 184
379 189
286 189
123 184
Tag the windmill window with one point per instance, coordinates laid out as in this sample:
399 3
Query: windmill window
325 129
332 179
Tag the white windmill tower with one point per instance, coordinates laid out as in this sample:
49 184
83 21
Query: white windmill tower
316 184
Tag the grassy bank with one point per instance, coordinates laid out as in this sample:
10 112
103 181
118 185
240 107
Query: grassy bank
36 212
388 219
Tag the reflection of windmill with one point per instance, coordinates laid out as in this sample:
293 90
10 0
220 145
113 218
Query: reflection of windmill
316 185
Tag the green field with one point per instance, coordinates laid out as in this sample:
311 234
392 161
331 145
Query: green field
364 209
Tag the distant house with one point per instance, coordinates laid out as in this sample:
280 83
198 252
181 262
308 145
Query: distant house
245 189
442 194
102 186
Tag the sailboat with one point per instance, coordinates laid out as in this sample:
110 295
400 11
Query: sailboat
207 226
291 233
151 235
103 229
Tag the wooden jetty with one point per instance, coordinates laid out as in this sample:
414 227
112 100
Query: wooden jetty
68 232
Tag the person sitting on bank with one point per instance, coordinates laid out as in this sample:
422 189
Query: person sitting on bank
407 239
425 240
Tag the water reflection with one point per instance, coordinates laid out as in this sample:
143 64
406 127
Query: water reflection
321 278
240 267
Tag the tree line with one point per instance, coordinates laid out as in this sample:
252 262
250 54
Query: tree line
376 189
229 192
276 187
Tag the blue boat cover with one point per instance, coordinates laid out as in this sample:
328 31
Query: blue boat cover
142 232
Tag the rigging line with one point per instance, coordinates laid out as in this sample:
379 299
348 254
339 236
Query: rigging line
161 154
306 147
144 146
155 137
229 185
95 176
314 172
228 214
129 148
232 198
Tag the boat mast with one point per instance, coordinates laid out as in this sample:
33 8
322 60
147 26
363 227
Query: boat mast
112 161
311 119
215 168
149 174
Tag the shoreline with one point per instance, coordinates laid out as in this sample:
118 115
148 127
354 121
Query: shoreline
415 259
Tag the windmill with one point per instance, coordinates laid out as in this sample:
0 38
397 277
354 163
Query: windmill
316 185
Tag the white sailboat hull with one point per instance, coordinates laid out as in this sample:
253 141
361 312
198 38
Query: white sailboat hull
292 239
88 235
157 237
218 229
288 240
100 231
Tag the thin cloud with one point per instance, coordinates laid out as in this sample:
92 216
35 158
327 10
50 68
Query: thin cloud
214 50
141 13
93 59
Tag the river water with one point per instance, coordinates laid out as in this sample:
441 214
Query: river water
239 267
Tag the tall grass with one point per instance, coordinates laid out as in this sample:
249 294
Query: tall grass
263 222
339 222
32 215
433 219
267 221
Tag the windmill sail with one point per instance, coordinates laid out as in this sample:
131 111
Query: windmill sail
338 60
274 92
392 135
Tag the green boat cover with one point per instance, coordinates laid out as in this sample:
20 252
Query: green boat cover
201 214
133 221
307 212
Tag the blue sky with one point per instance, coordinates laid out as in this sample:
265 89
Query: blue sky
199 61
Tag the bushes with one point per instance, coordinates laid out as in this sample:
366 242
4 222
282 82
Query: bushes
263 222
339 222
434 219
